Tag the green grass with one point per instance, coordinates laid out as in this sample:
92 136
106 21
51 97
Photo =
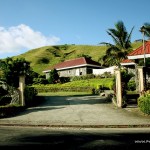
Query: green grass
64 94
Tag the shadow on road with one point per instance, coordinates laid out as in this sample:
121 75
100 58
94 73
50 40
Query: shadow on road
75 140
72 100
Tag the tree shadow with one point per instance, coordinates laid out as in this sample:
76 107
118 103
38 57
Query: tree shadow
72 100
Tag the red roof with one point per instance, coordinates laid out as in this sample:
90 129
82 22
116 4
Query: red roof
75 63
139 52
127 62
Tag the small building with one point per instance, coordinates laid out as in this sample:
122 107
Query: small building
74 67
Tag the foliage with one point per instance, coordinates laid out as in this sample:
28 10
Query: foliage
83 77
121 47
144 102
64 79
46 89
30 93
12 69
147 29
84 55
53 76
125 76
131 85
76 86
43 60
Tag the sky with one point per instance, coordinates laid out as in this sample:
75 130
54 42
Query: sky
29 24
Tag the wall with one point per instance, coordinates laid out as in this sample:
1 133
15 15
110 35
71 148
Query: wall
73 72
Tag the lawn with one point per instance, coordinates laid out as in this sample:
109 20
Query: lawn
64 94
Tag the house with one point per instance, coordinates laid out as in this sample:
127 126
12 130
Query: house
74 67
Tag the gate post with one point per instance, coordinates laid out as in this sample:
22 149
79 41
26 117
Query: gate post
21 88
118 87
140 79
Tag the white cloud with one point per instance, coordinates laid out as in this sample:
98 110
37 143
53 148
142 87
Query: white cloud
21 37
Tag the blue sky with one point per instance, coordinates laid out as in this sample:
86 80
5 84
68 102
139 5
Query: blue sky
28 24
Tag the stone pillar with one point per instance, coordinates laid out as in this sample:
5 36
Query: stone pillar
136 78
21 88
140 79
118 87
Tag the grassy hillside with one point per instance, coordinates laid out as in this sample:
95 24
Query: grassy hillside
43 57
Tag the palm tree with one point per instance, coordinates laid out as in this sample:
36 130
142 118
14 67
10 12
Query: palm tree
147 29
121 47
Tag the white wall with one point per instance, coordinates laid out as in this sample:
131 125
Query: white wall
101 71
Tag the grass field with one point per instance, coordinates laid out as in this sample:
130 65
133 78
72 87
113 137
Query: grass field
64 94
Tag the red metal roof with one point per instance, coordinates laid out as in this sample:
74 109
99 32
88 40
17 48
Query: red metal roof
140 51
126 61
82 61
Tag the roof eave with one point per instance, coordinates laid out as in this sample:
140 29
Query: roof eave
138 56
126 64
83 65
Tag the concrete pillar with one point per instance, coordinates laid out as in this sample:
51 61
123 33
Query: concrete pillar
21 88
140 78
118 87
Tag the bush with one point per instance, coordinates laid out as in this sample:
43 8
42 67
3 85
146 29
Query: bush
40 81
30 93
83 77
131 85
64 79
144 102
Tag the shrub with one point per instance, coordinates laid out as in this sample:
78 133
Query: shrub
43 60
144 102
54 77
64 79
83 77
30 93
40 81
131 85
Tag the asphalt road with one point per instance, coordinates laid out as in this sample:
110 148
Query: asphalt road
78 111
74 138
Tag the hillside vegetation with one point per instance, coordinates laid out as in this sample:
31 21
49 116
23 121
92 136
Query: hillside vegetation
43 57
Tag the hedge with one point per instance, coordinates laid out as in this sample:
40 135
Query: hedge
76 86
144 104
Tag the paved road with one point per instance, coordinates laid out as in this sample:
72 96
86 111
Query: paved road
74 139
78 110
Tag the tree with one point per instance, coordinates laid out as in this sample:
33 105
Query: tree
121 47
12 68
147 29
54 77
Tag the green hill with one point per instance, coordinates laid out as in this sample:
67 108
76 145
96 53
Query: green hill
43 57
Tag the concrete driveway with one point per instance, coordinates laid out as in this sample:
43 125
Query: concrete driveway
77 110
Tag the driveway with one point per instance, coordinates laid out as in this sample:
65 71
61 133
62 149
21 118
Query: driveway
77 110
